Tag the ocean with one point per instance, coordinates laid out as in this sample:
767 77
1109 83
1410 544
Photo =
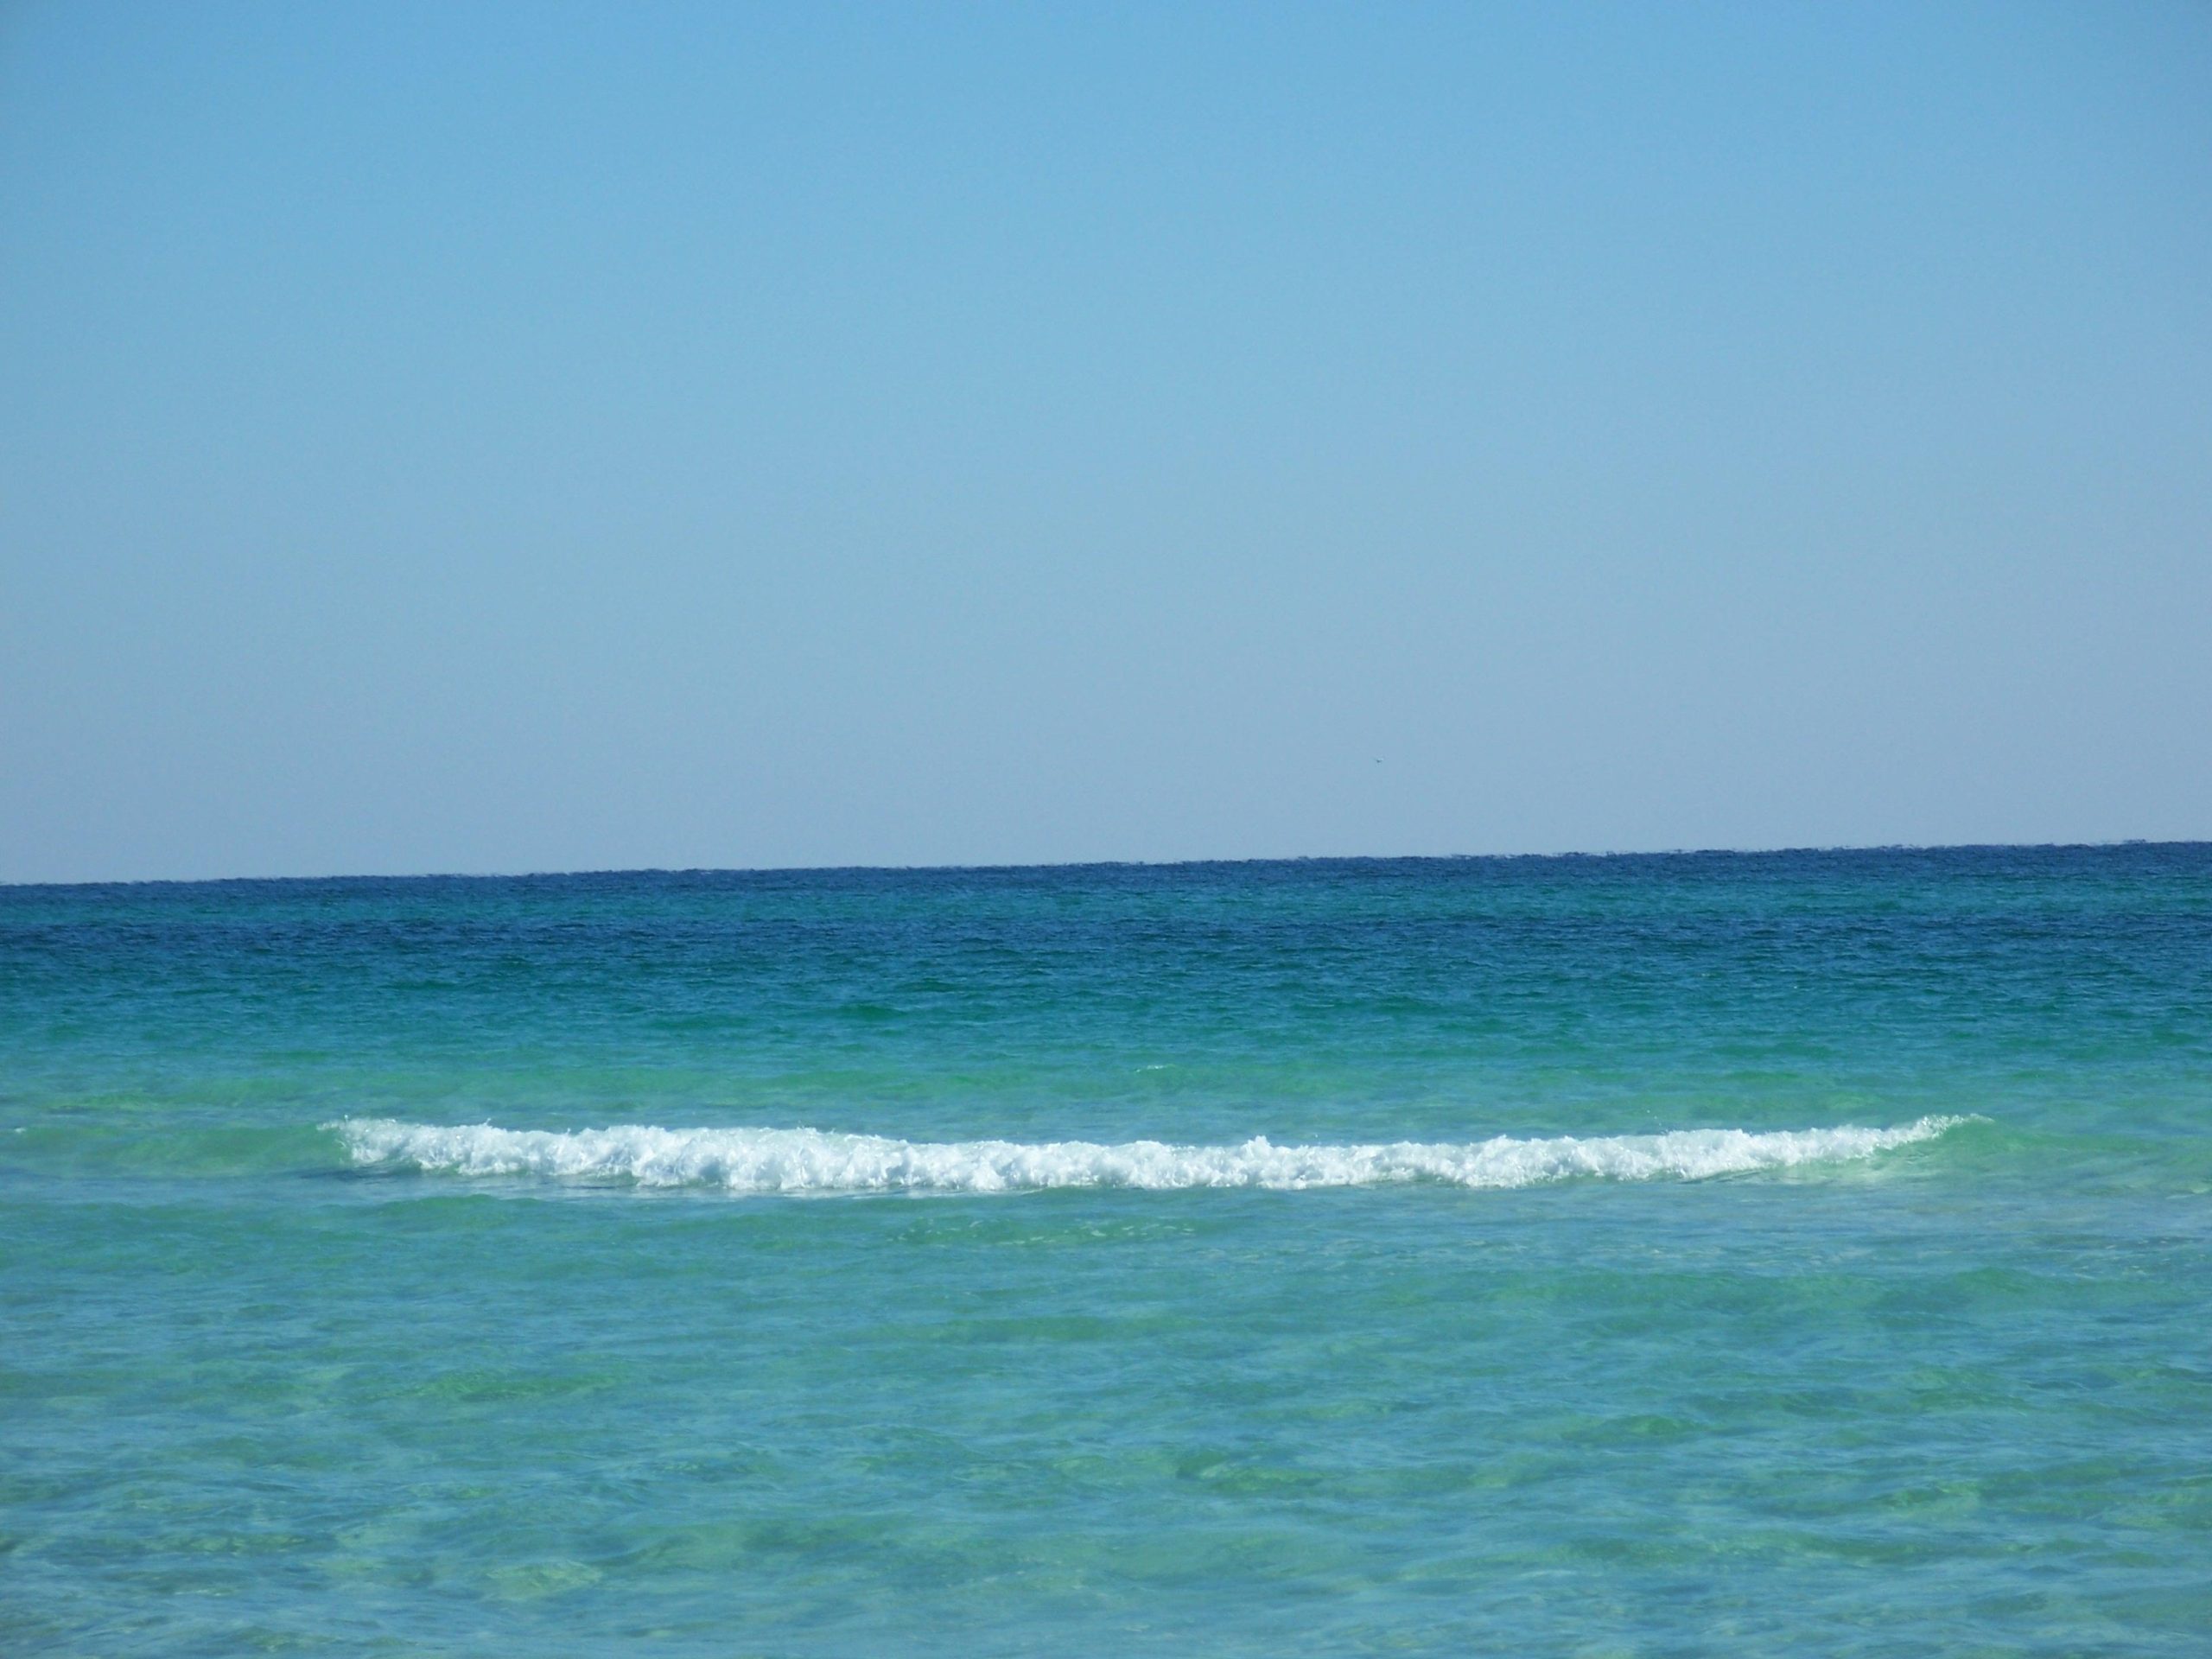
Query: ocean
1698 1254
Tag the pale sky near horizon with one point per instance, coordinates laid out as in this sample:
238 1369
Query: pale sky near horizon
505 437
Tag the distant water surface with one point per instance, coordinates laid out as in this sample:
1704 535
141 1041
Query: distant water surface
1709 1253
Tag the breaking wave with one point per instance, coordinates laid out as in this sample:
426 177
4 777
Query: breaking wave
811 1161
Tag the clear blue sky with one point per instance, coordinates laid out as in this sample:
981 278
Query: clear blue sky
520 437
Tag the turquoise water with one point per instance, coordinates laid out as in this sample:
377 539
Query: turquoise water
1710 1253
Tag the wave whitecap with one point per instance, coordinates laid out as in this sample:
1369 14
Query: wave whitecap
811 1161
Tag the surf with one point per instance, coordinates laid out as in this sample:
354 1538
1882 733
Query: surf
760 1161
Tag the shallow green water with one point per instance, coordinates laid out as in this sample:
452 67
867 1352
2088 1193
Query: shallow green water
285 1367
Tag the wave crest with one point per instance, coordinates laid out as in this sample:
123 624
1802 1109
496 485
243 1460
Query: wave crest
811 1161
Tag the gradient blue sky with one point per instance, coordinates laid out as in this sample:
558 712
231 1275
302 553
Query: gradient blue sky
525 437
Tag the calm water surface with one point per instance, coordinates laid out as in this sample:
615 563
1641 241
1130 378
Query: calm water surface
1327 1257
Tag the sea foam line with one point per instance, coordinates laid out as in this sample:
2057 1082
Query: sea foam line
812 1160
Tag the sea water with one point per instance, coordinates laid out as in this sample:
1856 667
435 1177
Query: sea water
1796 1253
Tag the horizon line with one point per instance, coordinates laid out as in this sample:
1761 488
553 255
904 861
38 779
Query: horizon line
578 873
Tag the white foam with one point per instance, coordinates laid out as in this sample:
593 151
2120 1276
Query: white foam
811 1161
